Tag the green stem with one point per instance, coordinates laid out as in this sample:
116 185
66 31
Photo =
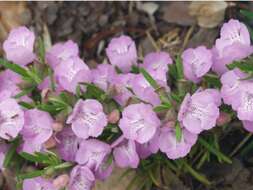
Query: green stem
239 146
197 175
214 151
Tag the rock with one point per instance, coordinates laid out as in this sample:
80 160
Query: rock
178 13
149 7
12 14
208 14
204 37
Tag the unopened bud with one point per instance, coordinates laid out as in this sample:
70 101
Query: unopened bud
61 181
50 143
57 126
223 119
114 116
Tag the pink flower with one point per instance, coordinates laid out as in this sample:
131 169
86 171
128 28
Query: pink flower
231 87
245 102
92 153
248 125
71 72
105 169
196 62
122 53
3 150
139 122
199 112
11 119
121 83
61 52
68 144
170 145
81 177
148 148
102 76
38 126
38 183
9 81
125 154
87 119
144 91
19 46
233 44
157 64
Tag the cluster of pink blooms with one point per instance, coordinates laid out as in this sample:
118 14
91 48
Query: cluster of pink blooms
143 131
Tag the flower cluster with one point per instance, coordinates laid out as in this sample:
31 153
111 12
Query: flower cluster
113 116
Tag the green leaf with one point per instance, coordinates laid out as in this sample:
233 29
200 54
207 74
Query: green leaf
26 105
30 175
162 107
197 175
178 132
24 92
179 66
14 67
245 66
11 152
214 150
47 158
149 78
95 92
41 50
212 80
247 14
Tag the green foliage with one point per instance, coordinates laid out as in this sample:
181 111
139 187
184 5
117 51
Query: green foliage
149 78
49 160
162 107
11 152
245 65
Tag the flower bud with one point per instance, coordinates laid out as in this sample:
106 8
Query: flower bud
50 143
223 119
61 181
57 126
114 116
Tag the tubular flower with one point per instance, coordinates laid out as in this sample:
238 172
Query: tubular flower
173 148
231 87
199 112
245 102
11 119
196 62
92 153
144 91
233 44
120 84
139 122
87 119
157 64
71 72
81 178
37 130
122 53
125 154
61 52
68 144
102 76
19 46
